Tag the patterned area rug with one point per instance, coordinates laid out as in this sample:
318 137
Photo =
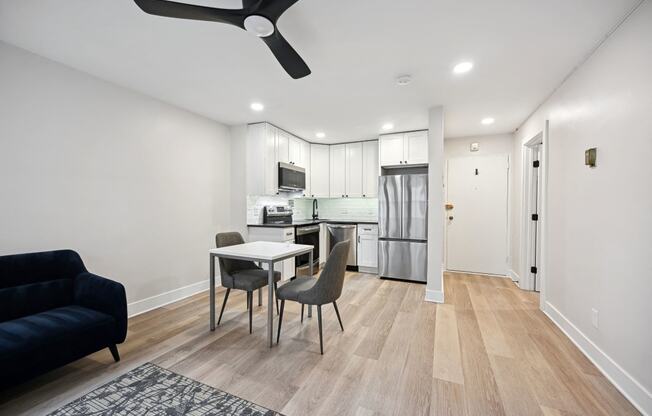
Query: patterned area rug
152 390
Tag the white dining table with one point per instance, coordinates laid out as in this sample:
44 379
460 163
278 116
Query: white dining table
264 252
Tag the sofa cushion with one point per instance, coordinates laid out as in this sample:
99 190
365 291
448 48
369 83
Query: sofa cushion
23 269
20 301
53 335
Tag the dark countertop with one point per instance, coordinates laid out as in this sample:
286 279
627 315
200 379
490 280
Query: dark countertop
312 222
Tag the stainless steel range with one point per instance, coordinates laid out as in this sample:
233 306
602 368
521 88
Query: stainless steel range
303 234
307 234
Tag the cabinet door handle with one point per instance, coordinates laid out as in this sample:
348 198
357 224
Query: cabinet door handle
400 161
358 239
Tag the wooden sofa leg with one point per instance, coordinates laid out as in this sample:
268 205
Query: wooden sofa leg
114 352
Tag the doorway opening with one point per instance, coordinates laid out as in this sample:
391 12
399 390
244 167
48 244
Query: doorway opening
533 212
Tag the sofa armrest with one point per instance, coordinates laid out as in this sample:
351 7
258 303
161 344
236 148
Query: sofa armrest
103 295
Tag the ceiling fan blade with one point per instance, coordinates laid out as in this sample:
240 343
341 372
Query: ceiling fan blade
286 55
190 11
273 9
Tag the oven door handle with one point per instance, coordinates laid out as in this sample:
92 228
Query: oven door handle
307 230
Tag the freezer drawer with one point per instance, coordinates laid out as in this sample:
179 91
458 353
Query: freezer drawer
403 259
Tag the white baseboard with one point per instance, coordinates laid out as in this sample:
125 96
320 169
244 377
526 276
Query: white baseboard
156 301
436 296
513 275
634 391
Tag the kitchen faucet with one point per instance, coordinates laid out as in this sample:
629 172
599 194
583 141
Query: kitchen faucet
315 209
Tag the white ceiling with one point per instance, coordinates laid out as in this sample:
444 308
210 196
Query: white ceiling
521 49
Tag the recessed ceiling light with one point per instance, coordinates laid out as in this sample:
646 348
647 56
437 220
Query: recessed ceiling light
257 106
462 67
388 126
488 120
320 134
404 80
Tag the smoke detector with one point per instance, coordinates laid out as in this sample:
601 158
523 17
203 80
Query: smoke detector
404 80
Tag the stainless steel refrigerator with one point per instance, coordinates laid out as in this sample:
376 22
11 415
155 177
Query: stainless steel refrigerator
403 226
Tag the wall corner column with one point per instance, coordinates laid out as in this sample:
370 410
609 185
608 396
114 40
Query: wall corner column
435 282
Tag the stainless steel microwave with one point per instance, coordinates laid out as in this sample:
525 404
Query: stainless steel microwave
291 177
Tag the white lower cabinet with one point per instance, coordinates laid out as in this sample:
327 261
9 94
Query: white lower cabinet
279 234
368 248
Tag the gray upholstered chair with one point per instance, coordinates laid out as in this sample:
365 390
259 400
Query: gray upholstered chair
312 291
241 274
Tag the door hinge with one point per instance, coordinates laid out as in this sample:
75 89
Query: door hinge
533 269
535 217
535 164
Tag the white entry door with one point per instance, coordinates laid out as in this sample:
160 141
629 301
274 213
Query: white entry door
476 226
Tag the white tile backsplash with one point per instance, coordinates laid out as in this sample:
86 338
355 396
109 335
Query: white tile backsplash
255 204
364 209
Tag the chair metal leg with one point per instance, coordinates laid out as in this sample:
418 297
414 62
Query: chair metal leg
302 313
250 304
338 315
226 296
114 352
280 320
321 340
276 297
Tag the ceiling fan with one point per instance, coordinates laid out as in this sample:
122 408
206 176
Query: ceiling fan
256 16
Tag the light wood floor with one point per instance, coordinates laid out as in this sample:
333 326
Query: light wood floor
487 351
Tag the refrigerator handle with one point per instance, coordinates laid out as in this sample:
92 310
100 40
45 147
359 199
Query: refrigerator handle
403 187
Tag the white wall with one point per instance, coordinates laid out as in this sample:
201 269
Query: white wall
495 144
136 186
435 283
238 195
599 221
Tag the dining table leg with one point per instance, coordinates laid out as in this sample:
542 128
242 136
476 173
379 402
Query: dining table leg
211 290
270 302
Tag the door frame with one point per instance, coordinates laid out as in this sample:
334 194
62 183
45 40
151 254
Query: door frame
509 216
526 282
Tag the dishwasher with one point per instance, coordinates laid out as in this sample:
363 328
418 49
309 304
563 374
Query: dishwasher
343 232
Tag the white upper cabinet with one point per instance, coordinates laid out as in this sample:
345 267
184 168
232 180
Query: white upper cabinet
391 149
261 159
404 149
338 171
353 170
305 163
370 170
295 152
319 171
282 146
416 147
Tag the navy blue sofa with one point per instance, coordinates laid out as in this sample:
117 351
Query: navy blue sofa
53 311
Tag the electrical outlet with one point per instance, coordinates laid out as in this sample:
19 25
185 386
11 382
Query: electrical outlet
594 317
